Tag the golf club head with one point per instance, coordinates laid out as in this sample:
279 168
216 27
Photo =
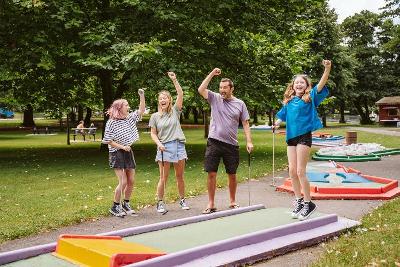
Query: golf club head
274 179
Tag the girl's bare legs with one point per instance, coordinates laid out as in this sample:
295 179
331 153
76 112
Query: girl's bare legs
292 158
180 182
303 153
163 180
121 184
130 176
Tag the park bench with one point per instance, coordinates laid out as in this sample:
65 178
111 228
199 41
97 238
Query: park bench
42 130
83 132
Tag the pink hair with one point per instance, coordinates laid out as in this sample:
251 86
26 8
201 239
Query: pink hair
115 111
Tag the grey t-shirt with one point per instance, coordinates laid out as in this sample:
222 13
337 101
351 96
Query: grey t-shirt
225 117
167 125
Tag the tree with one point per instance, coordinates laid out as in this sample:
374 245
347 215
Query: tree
361 37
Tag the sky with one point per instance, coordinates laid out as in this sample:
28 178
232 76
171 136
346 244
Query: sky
346 8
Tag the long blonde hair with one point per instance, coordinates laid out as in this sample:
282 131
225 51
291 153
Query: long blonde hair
290 93
169 108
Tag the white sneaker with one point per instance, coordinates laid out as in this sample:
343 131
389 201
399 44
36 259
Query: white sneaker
298 206
160 207
183 204
117 211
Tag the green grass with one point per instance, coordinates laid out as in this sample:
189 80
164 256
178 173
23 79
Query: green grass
46 184
366 137
375 243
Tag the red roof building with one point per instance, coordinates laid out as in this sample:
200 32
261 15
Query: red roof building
389 109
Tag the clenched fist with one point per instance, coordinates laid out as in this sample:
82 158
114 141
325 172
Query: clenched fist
171 75
326 63
216 71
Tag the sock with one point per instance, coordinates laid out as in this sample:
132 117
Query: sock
116 203
127 201
299 199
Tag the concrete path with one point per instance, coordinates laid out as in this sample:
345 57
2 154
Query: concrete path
389 131
260 193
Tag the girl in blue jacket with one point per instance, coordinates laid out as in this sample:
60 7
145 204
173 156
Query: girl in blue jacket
301 117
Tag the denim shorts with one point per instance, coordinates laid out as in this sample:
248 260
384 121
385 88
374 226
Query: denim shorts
122 159
175 151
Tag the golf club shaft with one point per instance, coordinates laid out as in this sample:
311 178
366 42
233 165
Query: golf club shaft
162 175
273 157
248 178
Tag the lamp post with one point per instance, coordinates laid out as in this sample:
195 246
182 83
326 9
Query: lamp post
68 138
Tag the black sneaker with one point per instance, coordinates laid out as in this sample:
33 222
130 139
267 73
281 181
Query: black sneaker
116 210
298 206
127 208
309 208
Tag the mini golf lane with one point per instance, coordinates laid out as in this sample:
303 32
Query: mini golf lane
202 233
241 235
371 187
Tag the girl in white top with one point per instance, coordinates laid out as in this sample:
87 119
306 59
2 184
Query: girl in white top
120 133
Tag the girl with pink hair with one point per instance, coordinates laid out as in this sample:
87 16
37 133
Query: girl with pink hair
120 133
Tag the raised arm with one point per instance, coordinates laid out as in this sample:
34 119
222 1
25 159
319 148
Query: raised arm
142 103
203 91
179 92
327 64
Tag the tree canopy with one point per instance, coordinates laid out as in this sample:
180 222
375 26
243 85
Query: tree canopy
62 54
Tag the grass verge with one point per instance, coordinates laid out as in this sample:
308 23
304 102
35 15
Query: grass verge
375 243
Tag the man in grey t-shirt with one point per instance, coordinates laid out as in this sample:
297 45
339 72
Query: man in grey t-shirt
226 112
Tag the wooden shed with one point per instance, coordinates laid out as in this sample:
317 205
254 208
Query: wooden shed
389 109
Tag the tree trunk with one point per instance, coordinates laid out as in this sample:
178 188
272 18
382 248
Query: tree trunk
269 114
88 116
60 123
364 116
255 117
28 117
80 112
72 117
323 115
195 116
187 113
105 77
341 111
324 120
205 120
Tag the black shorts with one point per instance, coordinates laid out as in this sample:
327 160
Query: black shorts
304 139
215 151
122 159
